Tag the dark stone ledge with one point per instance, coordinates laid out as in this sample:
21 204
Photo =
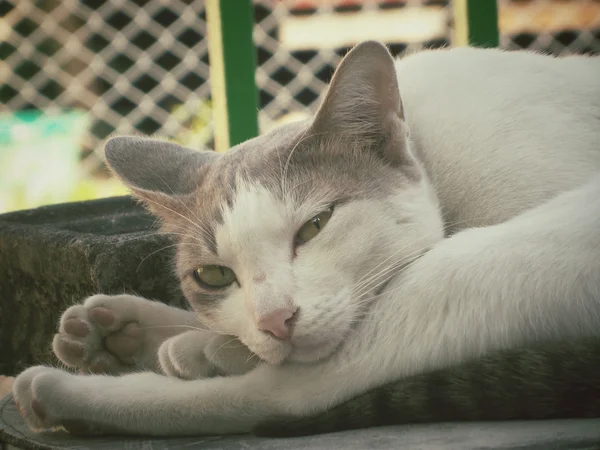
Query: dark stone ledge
54 256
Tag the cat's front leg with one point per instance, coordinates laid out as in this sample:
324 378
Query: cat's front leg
151 404
118 334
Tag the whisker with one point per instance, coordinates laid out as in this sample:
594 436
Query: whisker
252 355
363 282
190 327
153 253
365 277
221 346
180 201
202 231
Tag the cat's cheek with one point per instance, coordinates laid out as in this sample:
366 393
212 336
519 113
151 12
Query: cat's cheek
322 344
216 319
324 322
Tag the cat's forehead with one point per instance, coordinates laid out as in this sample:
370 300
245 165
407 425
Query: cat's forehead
266 160
257 164
259 158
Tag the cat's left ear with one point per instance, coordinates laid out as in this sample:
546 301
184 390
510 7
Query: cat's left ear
363 104
159 173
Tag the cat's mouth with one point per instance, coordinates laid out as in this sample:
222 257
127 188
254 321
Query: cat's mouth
276 352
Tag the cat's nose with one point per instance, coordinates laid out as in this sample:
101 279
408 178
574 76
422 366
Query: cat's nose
278 322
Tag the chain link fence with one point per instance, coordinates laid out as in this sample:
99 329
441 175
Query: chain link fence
558 27
141 66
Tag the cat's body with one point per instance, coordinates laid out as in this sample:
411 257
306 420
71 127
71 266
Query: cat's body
507 143
552 380
503 135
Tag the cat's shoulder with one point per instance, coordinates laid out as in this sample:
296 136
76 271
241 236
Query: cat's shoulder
514 69
491 58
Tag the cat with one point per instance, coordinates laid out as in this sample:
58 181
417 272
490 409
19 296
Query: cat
435 211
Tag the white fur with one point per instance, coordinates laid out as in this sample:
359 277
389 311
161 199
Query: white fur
529 121
242 247
511 144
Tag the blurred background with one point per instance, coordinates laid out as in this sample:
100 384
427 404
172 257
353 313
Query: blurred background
73 72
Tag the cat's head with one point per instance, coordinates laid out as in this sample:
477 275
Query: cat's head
286 239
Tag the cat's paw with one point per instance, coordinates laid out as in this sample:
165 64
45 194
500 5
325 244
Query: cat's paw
102 335
182 356
230 356
28 389
50 398
191 356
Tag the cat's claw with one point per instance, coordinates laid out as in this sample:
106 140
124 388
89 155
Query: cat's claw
101 335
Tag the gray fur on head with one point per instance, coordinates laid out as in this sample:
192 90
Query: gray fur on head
146 164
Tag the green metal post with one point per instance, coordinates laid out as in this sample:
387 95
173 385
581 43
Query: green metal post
476 23
232 67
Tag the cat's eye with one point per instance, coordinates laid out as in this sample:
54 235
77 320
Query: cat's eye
313 227
214 277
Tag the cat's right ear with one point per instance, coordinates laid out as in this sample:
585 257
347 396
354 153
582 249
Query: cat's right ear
363 105
157 172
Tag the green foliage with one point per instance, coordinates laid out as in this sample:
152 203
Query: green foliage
40 161
40 156
198 132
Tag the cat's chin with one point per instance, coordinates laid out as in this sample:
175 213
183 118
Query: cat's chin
278 352
312 353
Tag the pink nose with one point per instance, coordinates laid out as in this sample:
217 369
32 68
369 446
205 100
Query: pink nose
278 323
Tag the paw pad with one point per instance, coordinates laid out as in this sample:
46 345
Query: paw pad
38 410
76 327
99 336
102 316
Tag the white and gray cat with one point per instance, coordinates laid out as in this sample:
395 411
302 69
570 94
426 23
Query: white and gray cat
437 209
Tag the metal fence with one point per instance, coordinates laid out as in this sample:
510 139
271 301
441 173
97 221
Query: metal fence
141 66
553 26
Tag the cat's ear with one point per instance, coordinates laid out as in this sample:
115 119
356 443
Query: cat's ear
159 173
363 103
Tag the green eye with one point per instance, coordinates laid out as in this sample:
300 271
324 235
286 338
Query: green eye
313 227
214 277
